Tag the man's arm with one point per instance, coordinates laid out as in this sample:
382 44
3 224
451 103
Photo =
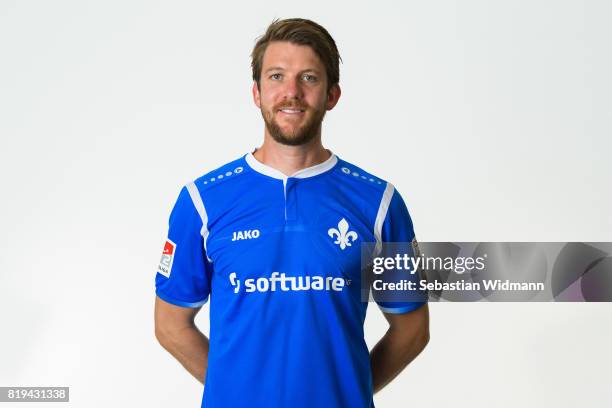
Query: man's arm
407 336
176 332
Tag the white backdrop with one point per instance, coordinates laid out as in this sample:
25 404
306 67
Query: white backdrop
493 119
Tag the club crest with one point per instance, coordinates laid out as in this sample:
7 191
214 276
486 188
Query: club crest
342 235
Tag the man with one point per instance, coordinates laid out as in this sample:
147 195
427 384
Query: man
274 239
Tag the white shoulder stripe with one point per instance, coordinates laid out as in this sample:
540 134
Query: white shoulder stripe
199 205
381 215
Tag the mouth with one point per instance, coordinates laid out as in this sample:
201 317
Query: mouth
292 111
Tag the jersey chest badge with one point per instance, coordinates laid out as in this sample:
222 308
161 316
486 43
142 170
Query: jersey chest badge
342 235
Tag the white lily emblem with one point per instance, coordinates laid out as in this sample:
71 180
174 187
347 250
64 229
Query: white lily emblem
344 237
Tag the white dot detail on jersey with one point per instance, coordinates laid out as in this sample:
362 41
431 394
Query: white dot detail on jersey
355 174
220 176
205 182
212 179
363 177
346 171
371 179
229 173
238 170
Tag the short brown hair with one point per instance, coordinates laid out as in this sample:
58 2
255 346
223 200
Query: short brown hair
299 31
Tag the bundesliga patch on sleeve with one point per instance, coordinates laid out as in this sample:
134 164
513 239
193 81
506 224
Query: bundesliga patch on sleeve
415 247
165 263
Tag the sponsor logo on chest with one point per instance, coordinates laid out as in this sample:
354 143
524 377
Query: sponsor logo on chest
246 234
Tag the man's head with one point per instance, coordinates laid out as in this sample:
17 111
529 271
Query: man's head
295 72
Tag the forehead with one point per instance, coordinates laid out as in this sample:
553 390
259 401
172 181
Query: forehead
288 55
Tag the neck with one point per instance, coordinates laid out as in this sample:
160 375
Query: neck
290 159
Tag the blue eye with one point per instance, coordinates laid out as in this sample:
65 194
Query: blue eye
310 78
275 76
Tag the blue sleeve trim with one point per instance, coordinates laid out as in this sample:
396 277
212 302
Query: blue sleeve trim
403 309
180 302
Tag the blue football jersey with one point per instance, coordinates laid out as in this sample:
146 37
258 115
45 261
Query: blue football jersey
279 258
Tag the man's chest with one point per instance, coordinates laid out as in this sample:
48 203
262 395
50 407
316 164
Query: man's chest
253 239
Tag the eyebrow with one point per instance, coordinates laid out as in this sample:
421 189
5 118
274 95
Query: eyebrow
301 72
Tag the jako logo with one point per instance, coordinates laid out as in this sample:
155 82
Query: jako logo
279 281
248 234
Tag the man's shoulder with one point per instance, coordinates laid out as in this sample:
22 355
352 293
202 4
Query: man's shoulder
356 175
217 188
222 175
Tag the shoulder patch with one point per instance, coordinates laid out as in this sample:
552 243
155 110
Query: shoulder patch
165 263
415 248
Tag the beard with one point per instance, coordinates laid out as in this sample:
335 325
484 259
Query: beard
300 135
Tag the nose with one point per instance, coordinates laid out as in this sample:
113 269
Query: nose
293 89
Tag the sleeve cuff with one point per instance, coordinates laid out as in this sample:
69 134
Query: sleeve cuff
402 309
176 302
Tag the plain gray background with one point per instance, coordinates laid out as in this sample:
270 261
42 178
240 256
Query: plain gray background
492 119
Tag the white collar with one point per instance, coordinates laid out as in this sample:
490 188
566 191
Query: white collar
303 173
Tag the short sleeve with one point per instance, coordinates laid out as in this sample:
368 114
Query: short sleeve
183 275
398 227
